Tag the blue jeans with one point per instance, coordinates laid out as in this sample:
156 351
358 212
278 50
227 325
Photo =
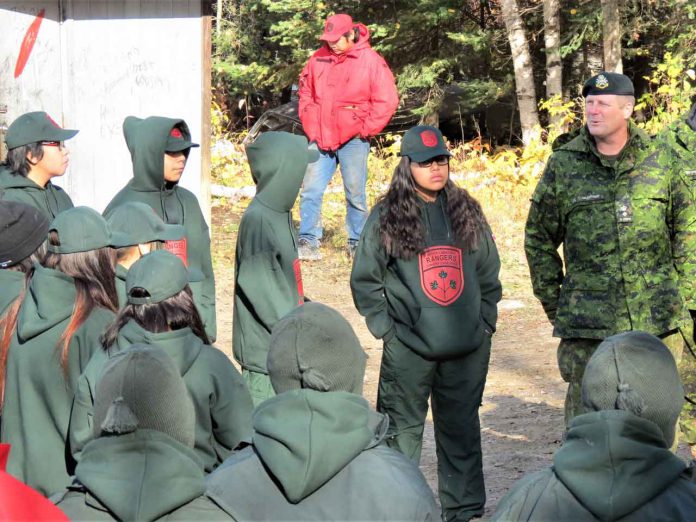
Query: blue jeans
352 156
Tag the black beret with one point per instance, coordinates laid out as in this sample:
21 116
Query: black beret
608 83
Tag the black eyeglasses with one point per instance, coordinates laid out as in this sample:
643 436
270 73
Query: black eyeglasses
440 160
59 144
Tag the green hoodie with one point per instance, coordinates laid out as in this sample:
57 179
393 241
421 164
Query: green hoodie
268 281
38 395
146 140
220 395
51 199
613 466
314 451
440 303
12 284
145 475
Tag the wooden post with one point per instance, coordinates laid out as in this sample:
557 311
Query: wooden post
206 105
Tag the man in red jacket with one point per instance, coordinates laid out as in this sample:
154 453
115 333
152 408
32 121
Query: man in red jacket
347 94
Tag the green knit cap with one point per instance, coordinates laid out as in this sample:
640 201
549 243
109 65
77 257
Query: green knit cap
141 224
140 388
315 347
635 372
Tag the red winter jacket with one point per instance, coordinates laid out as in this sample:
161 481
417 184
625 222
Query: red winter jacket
19 502
347 95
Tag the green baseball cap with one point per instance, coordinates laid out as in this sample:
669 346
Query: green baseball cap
34 127
608 83
423 142
179 139
161 274
141 224
82 229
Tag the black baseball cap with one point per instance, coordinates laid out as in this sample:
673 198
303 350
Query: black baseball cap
179 139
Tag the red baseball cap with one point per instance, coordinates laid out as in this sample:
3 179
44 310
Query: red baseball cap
336 26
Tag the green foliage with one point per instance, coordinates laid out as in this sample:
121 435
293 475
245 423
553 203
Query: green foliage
670 89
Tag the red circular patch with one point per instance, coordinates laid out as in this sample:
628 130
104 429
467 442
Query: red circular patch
429 138
176 133
53 122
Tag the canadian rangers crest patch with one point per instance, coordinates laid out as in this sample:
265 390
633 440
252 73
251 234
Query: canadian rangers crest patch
441 273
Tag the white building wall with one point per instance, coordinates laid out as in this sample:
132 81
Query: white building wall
90 71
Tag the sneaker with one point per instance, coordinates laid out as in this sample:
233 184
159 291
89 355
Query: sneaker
306 251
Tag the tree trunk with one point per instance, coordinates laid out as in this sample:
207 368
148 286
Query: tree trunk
552 43
611 35
218 18
524 74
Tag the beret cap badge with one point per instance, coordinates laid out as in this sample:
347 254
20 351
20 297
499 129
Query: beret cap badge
601 82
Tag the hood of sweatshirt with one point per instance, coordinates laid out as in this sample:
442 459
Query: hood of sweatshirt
12 284
181 345
49 300
278 161
614 462
147 141
9 180
305 437
142 475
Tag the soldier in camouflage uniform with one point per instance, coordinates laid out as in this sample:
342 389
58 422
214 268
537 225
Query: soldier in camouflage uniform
675 155
627 236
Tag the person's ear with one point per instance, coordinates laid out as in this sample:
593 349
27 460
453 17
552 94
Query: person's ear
33 160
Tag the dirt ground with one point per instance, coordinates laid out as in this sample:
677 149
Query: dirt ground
522 410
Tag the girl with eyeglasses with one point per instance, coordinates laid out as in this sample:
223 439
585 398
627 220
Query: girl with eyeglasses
36 154
425 277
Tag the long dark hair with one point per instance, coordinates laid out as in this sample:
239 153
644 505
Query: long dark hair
174 313
94 276
8 322
401 228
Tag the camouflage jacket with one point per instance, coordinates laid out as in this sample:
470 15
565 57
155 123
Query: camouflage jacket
627 230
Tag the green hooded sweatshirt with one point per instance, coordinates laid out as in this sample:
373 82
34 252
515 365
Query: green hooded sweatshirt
51 199
12 284
441 302
612 466
147 141
38 394
145 475
312 453
220 395
268 281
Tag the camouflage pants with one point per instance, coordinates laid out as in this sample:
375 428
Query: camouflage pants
573 355
259 385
